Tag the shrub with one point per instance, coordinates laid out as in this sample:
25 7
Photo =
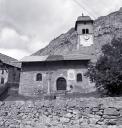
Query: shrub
107 71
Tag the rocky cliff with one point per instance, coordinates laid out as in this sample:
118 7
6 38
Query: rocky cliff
105 29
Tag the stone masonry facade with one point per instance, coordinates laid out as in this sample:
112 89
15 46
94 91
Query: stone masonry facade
62 113
50 74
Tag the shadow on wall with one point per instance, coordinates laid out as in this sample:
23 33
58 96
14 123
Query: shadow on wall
8 89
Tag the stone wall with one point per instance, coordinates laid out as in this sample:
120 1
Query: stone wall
62 113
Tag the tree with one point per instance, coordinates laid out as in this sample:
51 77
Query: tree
107 71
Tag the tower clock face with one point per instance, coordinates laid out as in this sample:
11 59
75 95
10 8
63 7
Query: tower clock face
86 37
86 40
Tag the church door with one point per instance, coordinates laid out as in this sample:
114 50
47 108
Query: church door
61 83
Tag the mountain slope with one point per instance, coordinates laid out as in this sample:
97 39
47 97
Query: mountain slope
105 29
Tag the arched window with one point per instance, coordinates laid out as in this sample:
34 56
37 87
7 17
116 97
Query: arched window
87 31
83 31
2 80
79 77
39 77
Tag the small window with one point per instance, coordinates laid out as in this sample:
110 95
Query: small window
39 77
79 77
87 31
2 80
83 31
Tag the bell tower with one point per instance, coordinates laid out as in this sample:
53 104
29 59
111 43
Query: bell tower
84 28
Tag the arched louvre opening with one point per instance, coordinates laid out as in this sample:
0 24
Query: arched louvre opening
85 31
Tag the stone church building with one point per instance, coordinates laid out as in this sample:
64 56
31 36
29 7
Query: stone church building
51 74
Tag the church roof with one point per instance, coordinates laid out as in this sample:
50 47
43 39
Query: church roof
34 59
55 58
84 18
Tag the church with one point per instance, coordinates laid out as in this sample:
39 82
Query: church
50 74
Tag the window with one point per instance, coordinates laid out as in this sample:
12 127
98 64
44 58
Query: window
85 31
2 80
39 77
79 77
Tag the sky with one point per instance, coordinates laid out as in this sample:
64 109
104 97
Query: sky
26 26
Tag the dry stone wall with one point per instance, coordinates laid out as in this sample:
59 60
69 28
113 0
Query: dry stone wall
62 113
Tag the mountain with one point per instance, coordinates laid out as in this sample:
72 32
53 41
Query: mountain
105 29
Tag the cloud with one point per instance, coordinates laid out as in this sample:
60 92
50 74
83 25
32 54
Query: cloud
29 25
36 16
16 53
98 8
10 39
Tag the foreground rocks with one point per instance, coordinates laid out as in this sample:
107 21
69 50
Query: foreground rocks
62 113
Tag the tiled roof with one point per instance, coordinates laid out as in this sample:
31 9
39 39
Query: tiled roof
9 60
84 18
55 58
33 58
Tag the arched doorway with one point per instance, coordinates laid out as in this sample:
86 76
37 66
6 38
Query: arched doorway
61 83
